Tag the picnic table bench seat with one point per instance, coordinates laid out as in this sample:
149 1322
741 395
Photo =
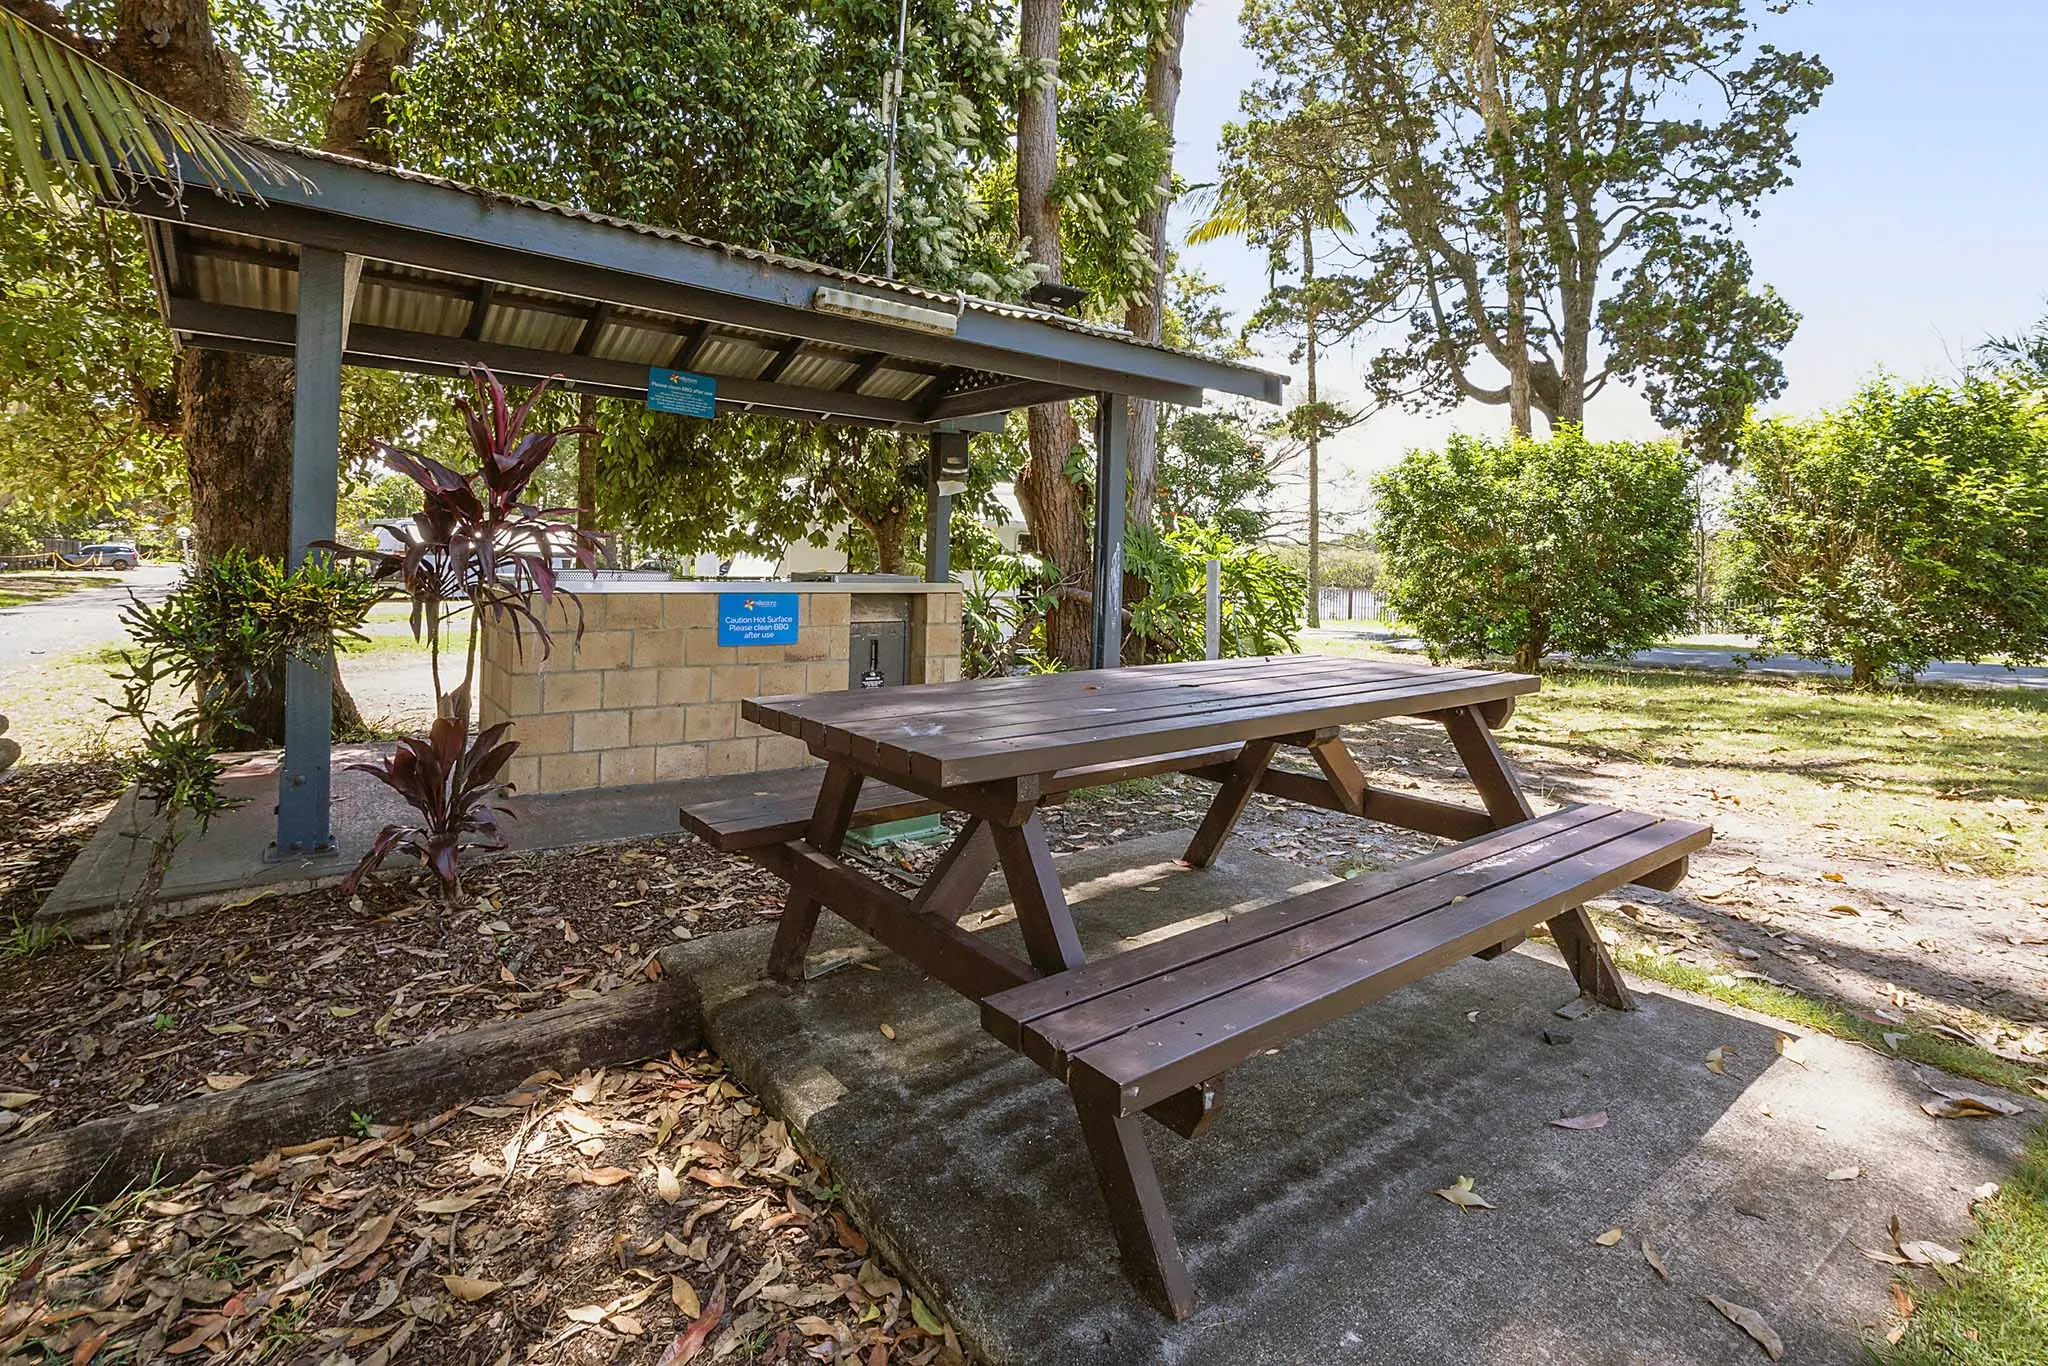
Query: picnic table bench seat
779 807
1159 1024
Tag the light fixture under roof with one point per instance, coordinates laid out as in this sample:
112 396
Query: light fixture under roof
849 303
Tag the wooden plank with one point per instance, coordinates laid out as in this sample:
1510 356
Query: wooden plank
1034 885
1341 770
1037 999
736 824
1029 754
1208 975
838 794
1257 694
1229 803
950 886
1488 767
1403 809
1137 1207
970 966
1025 695
102 1157
1152 1062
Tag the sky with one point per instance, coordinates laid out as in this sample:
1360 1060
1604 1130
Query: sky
1916 225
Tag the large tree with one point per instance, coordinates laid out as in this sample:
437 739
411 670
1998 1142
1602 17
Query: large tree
1553 189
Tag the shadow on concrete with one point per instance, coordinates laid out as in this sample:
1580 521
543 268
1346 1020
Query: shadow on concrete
1307 1214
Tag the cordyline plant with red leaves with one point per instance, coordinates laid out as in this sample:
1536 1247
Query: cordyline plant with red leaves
475 545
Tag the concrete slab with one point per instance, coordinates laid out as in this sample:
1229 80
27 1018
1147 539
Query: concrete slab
230 859
1307 1214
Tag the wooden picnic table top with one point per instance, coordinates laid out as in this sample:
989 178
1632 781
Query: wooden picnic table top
982 730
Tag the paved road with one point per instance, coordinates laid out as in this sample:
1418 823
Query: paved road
50 630
1673 657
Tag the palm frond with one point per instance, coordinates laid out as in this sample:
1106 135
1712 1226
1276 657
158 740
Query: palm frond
69 118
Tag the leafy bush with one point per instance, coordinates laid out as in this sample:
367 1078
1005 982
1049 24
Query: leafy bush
1909 525
452 781
1516 547
1263 599
215 643
1003 617
225 633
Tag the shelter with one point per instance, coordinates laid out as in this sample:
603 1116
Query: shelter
348 263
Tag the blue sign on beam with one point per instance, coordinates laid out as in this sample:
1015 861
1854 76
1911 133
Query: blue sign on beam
757 618
679 391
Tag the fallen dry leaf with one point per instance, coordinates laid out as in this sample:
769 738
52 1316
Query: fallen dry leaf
585 1313
888 1031
1656 1260
1969 1105
225 1081
1752 1323
1717 1057
685 1296
1611 1237
15 1100
1596 1120
470 1289
600 1176
1791 1049
1844 1174
691 1340
1463 1196
666 1185
447 1204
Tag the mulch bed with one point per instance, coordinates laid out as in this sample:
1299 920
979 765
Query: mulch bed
212 1001
650 1214
47 813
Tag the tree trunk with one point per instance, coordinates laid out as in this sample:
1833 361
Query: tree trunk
357 125
1493 109
1142 317
1051 502
1315 438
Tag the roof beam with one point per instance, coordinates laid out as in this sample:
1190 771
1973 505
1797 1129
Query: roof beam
457 231
862 372
593 325
995 398
692 347
478 308
386 347
784 357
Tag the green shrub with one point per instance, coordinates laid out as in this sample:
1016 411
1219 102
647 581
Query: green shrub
1518 547
1909 525
1263 599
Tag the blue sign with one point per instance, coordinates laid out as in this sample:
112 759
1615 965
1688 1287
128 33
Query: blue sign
757 618
679 391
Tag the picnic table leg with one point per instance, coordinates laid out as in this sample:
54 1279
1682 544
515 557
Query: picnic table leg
1137 1206
837 797
949 889
1573 930
1229 802
1042 911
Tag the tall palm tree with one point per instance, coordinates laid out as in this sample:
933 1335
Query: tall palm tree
67 118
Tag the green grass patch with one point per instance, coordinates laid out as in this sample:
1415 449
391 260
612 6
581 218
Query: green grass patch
1917 1044
19 587
1996 1313
1945 776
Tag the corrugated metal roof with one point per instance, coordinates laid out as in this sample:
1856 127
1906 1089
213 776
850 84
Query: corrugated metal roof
876 283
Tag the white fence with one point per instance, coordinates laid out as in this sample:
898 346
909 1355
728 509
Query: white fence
1353 604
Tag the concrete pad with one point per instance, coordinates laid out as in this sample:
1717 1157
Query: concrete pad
232 857
1306 1213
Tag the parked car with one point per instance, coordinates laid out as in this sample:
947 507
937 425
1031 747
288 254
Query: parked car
111 555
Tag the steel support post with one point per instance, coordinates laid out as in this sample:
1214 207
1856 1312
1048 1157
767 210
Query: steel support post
1112 440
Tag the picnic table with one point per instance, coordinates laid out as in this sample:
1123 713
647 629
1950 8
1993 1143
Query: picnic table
1151 1031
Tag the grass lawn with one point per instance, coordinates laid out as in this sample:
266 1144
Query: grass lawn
1997 1313
19 587
1952 778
